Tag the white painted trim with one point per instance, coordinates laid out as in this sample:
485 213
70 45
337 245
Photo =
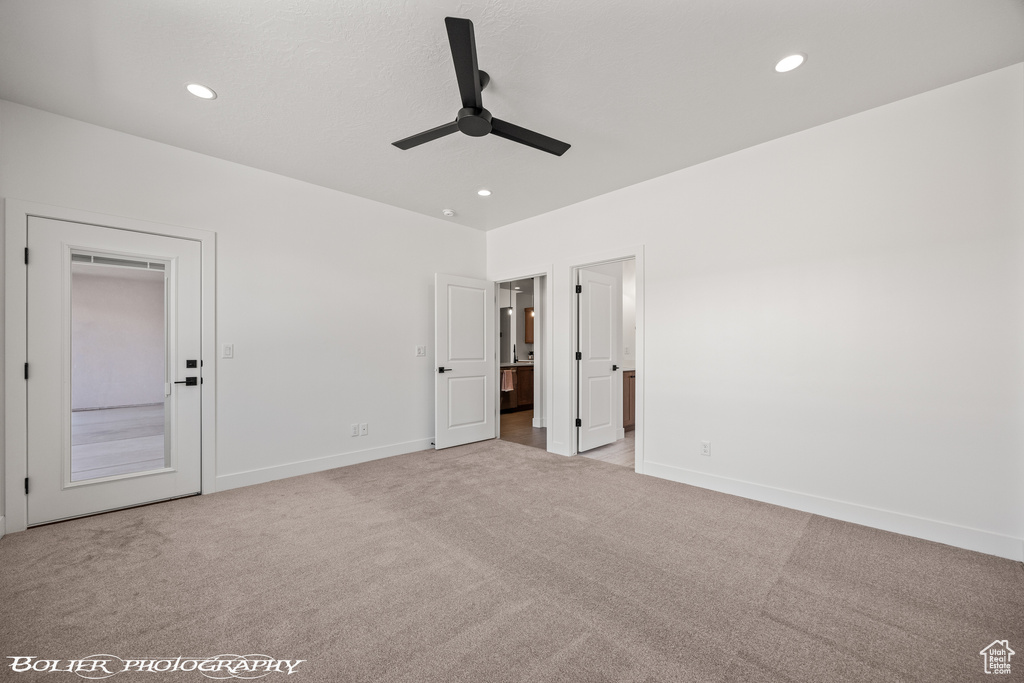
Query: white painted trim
328 462
3 526
547 347
16 351
886 520
17 213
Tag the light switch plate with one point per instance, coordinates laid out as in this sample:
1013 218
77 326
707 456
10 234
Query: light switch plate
421 351
228 351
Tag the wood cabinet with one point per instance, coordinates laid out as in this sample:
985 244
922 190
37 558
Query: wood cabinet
508 398
521 396
528 326
629 399
525 389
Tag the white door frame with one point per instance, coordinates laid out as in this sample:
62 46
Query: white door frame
17 213
545 364
570 270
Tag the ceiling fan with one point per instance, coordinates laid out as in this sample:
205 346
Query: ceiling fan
473 119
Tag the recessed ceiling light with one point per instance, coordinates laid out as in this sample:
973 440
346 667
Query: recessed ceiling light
789 63
484 193
517 288
201 91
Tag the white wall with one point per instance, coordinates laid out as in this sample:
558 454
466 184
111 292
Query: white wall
840 312
541 353
629 313
324 295
117 337
3 369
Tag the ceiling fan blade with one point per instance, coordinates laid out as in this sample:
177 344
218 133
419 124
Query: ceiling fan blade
510 131
463 44
427 136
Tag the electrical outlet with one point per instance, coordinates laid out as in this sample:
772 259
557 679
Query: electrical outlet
355 429
421 351
364 429
228 351
705 448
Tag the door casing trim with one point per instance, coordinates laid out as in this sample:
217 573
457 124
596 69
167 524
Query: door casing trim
16 214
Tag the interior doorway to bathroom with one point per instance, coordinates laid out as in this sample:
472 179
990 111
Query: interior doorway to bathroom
521 361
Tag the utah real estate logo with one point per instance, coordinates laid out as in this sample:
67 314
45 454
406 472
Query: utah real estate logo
997 657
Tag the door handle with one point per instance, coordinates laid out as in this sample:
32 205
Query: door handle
444 370
614 368
189 381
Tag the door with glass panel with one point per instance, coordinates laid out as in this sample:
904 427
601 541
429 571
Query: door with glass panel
114 370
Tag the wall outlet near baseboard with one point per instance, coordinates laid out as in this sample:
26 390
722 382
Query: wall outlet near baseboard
705 448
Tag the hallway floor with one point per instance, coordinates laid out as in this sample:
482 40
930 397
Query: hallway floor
619 452
518 428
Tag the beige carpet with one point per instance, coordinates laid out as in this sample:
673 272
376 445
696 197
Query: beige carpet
498 562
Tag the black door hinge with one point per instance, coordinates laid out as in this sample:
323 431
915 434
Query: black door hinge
26 256
26 486
579 422
26 370
579 355
579 288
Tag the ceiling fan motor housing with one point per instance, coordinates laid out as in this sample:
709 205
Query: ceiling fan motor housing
474 122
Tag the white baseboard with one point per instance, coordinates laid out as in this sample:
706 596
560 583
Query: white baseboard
909 525
538 422
3 526
620 433
294 469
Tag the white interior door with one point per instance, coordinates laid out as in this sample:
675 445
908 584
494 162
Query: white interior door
113 333
599 318
465 371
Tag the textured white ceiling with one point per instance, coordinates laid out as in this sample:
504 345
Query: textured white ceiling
318 89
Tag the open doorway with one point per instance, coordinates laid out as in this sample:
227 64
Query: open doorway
605 349
520 362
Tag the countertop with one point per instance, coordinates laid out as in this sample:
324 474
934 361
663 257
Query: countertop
527 363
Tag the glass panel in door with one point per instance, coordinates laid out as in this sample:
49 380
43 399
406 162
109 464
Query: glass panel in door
118 367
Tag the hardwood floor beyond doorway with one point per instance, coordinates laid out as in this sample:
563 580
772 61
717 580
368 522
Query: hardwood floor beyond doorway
518 428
